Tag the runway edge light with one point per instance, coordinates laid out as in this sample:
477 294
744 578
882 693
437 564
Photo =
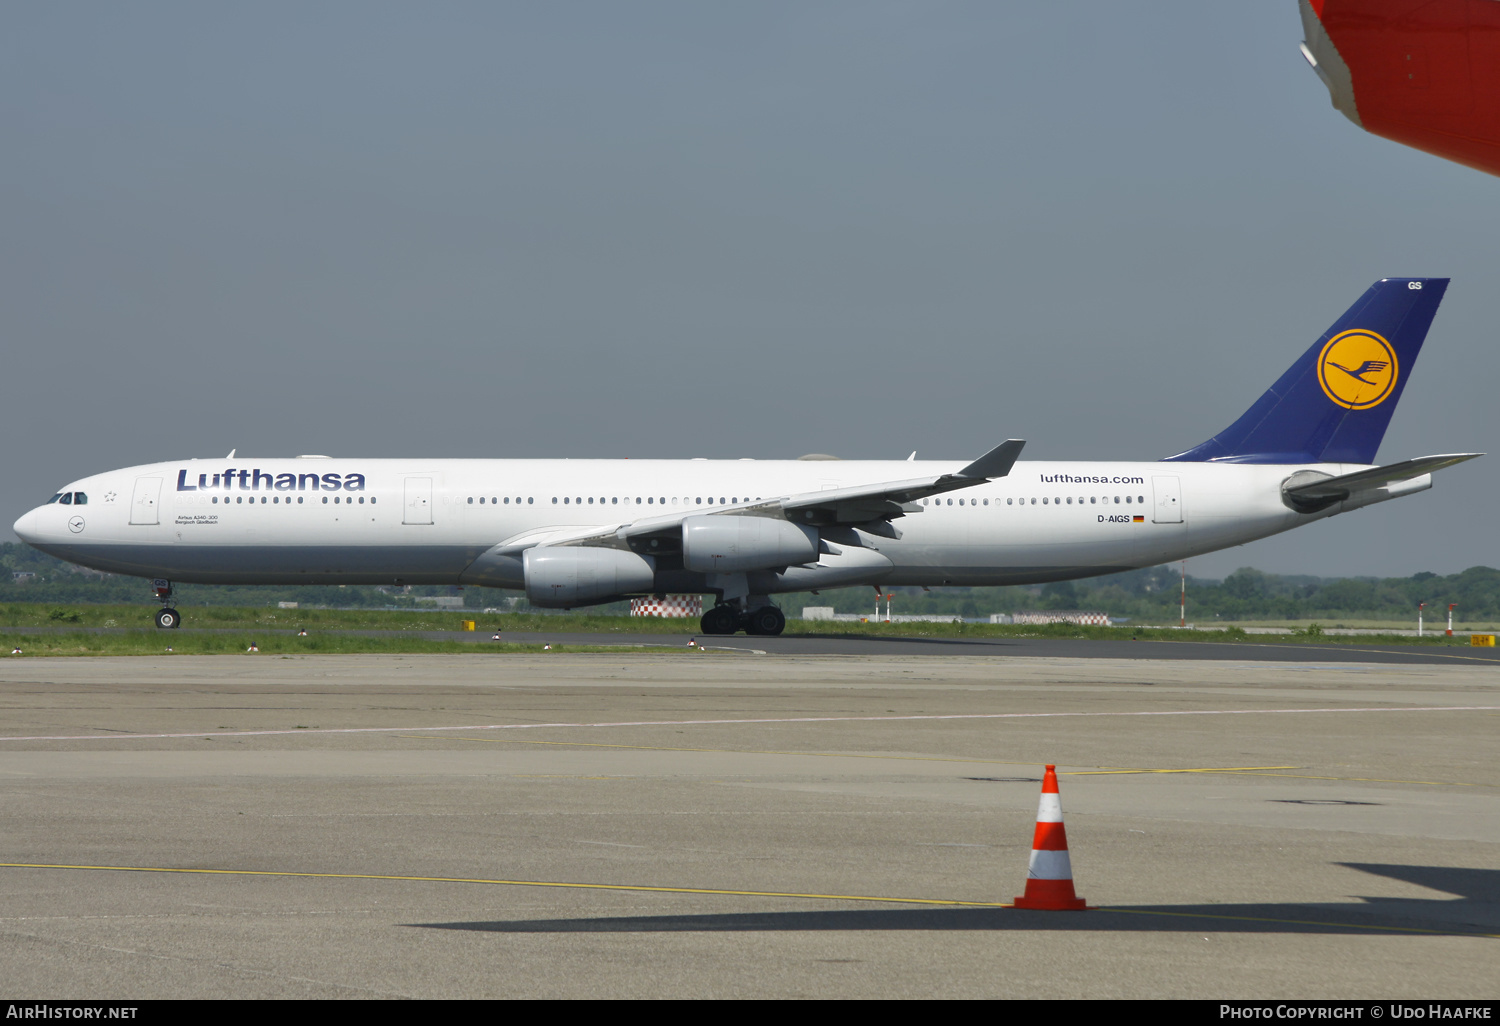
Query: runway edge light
1049 879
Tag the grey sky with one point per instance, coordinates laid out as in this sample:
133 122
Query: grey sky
686 229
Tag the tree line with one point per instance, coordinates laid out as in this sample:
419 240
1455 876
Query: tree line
1148 595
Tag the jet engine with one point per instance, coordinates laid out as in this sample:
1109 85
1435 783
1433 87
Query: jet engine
568 576
729 544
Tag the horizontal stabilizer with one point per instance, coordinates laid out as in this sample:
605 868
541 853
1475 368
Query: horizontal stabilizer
1309 492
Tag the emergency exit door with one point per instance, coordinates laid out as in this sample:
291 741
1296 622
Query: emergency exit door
1168 493
418 508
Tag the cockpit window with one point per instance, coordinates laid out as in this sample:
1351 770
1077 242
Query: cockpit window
80 499
67 499
54 498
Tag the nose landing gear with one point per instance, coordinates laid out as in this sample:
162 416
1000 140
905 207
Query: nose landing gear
167 618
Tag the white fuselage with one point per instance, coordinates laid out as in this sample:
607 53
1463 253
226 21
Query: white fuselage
380 521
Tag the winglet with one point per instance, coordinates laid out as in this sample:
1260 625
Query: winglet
997 462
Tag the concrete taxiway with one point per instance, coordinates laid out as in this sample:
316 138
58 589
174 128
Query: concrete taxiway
729 825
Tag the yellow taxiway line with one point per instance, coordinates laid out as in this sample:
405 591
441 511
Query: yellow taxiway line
507 883
931 902
727 751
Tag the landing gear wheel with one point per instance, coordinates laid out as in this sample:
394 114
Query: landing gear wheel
718 620
168 619
766 621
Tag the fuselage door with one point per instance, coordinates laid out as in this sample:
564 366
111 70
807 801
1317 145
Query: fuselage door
144 501
1168 493
418 509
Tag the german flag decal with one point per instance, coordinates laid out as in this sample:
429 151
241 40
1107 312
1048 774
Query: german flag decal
1138 520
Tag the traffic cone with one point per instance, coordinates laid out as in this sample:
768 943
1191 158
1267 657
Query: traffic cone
1049 881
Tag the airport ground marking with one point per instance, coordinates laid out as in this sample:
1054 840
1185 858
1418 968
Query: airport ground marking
1290 922
1249 771
1201 769
726 892
731 751
1372 651
509 883
1363 780
763 720
1263 771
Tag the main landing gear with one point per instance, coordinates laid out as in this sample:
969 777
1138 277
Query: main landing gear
167 618
767 621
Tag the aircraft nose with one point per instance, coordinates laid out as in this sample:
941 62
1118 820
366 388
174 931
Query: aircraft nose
27 529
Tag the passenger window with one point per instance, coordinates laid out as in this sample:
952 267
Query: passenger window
986 502
531 499
507 500
950 502
649 501
362 500
216 500
1044 500
1093 500
299 500
275 499
1010 502
1127 500
591 500
325 500
1033 502
1140 498
1070 500
471 500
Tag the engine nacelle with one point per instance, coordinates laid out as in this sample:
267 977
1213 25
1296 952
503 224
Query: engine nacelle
568 576
728 544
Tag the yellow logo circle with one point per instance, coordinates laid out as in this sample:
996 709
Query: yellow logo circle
1358 369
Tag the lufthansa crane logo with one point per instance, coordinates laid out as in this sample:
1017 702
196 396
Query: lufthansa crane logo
1358 369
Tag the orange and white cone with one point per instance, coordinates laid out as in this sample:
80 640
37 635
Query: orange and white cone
1049 881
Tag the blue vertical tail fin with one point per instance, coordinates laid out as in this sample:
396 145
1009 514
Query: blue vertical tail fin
1333 404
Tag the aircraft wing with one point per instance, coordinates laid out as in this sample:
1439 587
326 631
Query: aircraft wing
1420 73
873 504
889 500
